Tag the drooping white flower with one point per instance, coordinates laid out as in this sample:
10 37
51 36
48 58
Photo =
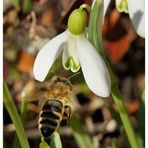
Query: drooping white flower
136 10
137 15
77 52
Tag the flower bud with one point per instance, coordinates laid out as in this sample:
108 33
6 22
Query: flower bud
77 21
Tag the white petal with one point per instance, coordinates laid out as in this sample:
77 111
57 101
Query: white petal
94 69
47 55
70 56
137 15
106 4
122 5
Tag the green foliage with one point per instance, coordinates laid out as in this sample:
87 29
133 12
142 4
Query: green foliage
114 143
95 22
43 144
10 106
82 138
13 73
23 114
16 3
26 6
141 119
55 140
23 109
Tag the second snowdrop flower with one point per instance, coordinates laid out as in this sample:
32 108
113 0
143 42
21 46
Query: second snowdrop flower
136 10
77 52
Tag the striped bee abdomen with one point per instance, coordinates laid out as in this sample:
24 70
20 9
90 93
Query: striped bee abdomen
50 117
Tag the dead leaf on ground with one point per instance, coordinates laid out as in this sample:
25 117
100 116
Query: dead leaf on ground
25 62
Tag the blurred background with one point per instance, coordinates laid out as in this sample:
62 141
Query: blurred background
28 25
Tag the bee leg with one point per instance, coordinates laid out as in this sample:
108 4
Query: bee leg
67 114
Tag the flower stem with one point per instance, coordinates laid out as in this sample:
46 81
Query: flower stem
85 6
95 37
124 116
15 117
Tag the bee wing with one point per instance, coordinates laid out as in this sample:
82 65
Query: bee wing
35 97
73 102
34 91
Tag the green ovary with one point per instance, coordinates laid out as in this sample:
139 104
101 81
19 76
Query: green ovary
70 63
77 22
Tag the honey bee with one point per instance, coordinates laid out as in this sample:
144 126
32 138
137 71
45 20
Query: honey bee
55 108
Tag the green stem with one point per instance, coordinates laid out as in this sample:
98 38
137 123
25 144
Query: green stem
26 6
16 3
23 109
114 143
96 21
23 114
82 138
85 6
124 116
95 37
15 117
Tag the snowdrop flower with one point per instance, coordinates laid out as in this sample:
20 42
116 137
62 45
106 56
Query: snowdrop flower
77 52
136 10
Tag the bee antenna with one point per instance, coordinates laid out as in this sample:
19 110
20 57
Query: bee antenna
73 75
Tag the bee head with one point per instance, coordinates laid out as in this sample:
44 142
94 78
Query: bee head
62 81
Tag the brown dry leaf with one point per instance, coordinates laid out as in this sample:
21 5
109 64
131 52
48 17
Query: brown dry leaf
118 33
11 17
32 107
113 19
47 17
117 49
25 62
68 7
133 106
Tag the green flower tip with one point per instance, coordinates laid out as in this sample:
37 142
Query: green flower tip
71 64
77 21
123 6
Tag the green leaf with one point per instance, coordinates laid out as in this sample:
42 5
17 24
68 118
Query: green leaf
114 143
26 6
23 114
23 109
55 140
14 74
11 108
16 3
82 138
95 25
43 144
141 117
115 115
